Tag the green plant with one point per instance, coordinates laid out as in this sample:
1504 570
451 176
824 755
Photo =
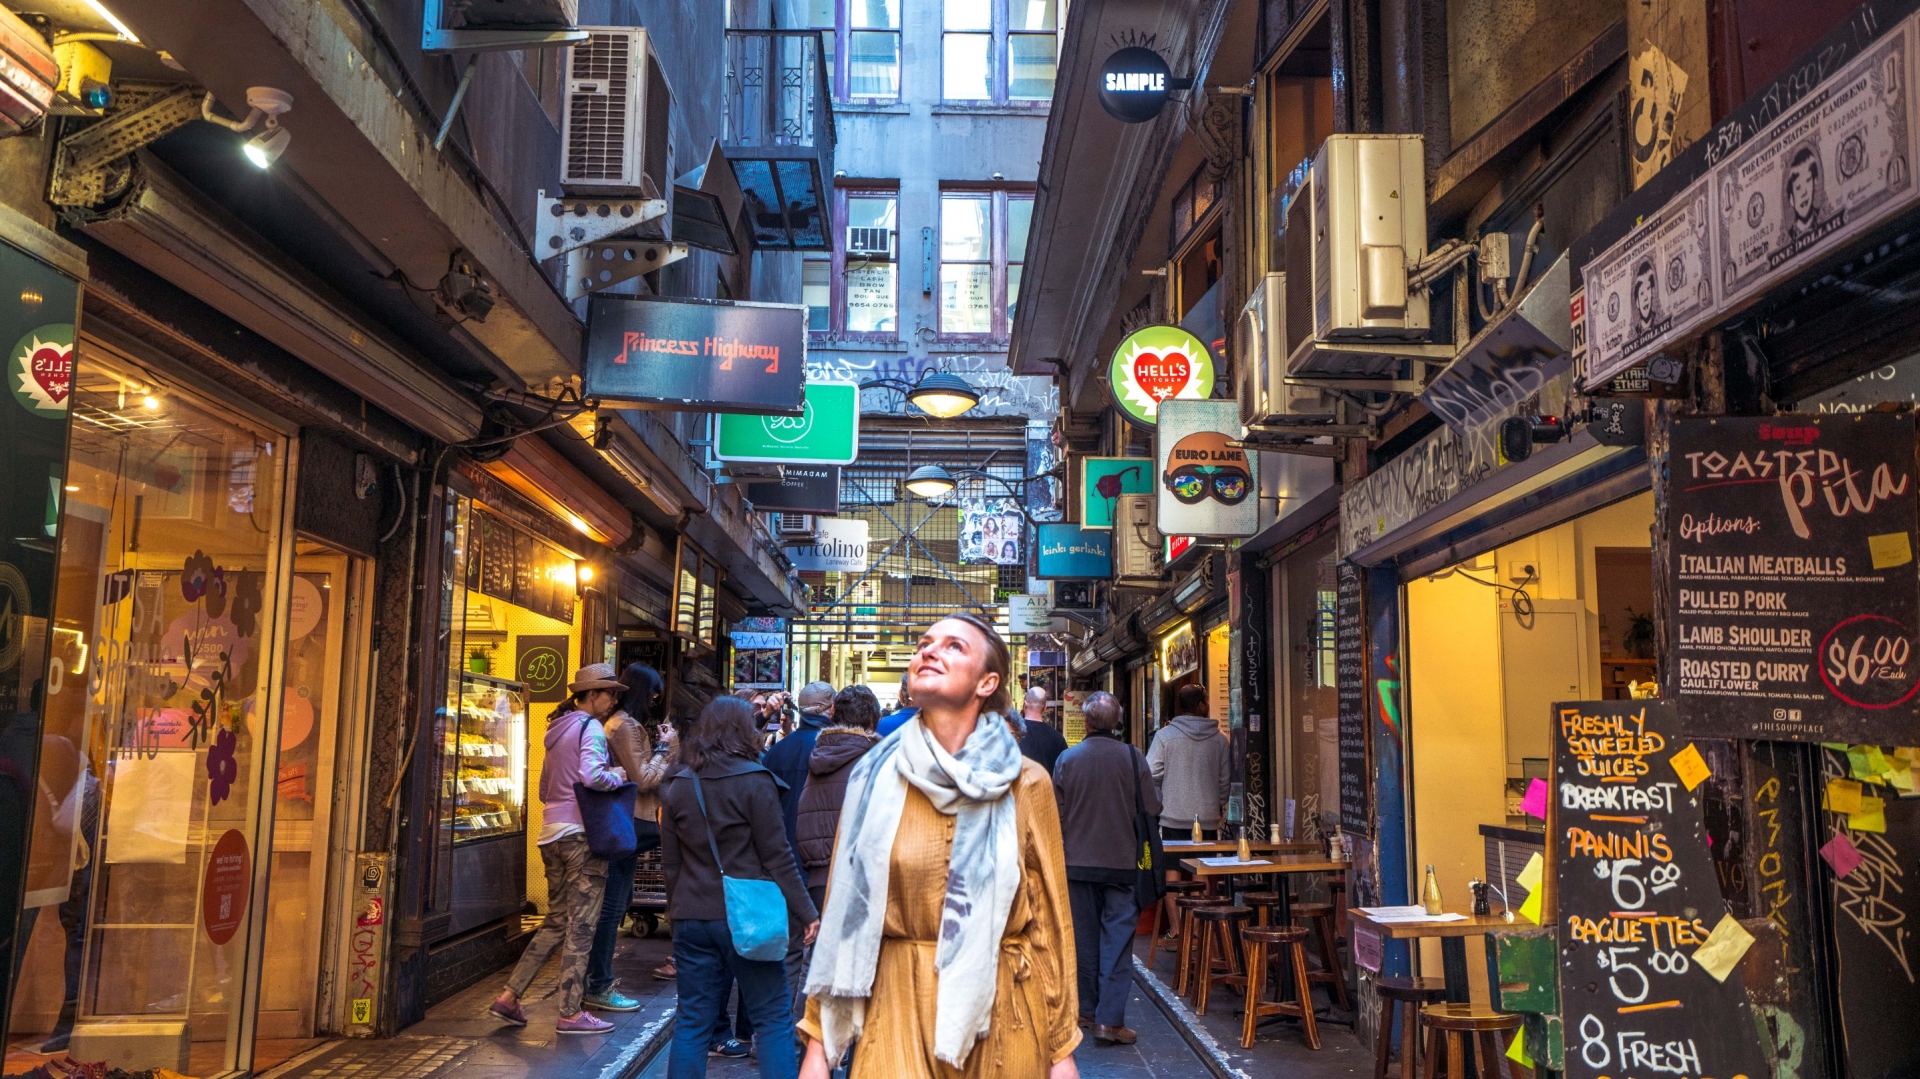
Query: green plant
1638 638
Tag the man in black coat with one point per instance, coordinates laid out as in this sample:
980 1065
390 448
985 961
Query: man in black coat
1101 786
1039 742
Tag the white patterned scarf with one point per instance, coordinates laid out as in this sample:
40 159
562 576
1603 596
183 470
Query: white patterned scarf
982 876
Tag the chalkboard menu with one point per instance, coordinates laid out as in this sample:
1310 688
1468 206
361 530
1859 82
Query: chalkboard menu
1350 666
1639 902
1791 558
509 563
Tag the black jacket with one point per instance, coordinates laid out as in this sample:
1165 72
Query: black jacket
788 760
1096 798
1042 744
834 755
743 802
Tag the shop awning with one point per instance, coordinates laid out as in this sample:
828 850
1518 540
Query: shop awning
537 471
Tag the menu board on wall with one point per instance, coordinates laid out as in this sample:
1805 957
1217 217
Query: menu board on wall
1647 985
516 566
1350 666
1791 543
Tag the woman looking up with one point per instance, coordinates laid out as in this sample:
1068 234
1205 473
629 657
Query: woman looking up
946 948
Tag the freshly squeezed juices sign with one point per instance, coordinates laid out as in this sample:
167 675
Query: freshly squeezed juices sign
1796 599
1649 956
1154 364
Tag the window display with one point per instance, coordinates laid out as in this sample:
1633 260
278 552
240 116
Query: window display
490 747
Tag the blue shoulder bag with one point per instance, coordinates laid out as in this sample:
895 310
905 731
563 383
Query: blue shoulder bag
756 911
606 816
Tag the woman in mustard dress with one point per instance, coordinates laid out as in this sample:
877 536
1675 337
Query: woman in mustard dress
946 946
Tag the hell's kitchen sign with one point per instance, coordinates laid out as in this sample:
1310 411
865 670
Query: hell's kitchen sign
1155 364
1792 568
696 355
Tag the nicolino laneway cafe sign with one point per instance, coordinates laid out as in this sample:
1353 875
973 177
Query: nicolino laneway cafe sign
1792 566
1155 364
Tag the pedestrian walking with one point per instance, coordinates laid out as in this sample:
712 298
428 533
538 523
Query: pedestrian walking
634 752
720 817
856 717
788 758
1102 786
576 752
1039 741
1189 763
946 947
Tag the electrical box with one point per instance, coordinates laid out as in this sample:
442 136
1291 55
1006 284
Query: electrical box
616 128
86 77
1137 543
1261 354
1353 230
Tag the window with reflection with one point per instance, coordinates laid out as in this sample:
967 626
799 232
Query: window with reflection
998 51
983 243
862 40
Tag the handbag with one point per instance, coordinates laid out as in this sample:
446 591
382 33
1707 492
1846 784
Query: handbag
607 816
1150 878
756 910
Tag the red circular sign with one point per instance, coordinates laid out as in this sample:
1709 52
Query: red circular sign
1867 666
223 898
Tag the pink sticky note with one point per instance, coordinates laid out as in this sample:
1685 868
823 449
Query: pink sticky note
1535 803
1841 854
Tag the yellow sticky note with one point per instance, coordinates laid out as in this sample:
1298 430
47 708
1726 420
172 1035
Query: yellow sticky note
1517 1052
1903 753
1872 816
1724 947
1691 766
1529 877
1843 796
1902 780
1890 550
1530 910
1877 761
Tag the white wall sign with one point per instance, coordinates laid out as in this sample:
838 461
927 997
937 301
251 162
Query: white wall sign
1028 614
838 546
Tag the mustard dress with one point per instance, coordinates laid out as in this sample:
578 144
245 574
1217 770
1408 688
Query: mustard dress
1036 1002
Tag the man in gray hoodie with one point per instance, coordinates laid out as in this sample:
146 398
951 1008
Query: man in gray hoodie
1189 763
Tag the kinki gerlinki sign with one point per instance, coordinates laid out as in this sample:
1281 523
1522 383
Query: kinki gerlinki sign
1795 597
1134 84
700 355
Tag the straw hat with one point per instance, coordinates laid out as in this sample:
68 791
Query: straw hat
595 676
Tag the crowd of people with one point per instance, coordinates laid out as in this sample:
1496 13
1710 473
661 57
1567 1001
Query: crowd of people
947 887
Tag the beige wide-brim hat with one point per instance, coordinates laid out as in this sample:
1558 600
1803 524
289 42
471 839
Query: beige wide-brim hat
595 676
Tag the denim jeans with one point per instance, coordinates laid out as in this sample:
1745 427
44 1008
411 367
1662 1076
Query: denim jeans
703 952
606 935
1104 916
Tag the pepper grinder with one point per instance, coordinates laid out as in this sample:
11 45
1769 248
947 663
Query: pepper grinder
1479 889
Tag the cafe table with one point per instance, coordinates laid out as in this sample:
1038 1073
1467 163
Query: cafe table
1453 936
1277 866
1184 847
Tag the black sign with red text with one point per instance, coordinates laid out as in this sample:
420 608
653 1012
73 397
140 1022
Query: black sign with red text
696 355
1795 595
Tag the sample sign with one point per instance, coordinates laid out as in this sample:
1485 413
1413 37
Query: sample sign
1155 364
223 894
1104 479
1206 485
1650 956
1350 672
1028 614
1134 83
697 355
838 546
804 489
826 432
1068 551
1795 594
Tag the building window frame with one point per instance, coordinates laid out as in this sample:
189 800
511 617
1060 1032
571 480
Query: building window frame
1001 35
1001 258
838 41
836 330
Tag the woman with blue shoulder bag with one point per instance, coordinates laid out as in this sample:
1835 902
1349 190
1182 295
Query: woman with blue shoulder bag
733 891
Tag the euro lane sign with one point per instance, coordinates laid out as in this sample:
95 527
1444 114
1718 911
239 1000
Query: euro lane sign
827 432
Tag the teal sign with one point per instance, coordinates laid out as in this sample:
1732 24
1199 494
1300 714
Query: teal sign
1070 552
1105 479
827 432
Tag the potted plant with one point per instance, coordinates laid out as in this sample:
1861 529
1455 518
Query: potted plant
1638 638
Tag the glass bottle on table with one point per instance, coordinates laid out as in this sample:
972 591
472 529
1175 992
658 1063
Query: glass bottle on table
1430 893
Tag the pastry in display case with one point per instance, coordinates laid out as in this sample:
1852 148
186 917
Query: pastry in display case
491 755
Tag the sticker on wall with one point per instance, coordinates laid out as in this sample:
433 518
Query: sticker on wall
40 369
223 898
1206 483
1155 364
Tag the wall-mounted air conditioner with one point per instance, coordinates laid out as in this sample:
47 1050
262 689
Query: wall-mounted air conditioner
1261 354
802 525
870 241
1353 230
1137 543
616 127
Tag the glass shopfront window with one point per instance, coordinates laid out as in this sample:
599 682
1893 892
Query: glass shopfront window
1312 695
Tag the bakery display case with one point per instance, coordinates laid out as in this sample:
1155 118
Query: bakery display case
490 775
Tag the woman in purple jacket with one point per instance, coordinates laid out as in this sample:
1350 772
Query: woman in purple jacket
576 880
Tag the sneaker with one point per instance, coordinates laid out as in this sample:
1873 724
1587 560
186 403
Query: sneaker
508 1013
582 1022
731 1048
610 1001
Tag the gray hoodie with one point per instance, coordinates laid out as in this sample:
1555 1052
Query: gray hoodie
1189 763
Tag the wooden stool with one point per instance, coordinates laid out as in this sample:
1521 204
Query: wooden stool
1265 943
1320 916
1186 905
1262 904
1461 1022
1221 923
1403 995
1175 888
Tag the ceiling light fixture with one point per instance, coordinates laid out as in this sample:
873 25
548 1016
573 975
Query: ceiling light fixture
263 102
943 395
113 20
150 403
266 147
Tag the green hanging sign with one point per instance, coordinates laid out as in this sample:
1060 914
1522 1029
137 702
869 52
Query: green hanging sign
1155 364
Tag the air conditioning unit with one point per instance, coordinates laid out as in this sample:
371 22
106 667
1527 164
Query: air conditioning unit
794 524
868 240
616 129
1353 229
1136 542
1260 355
